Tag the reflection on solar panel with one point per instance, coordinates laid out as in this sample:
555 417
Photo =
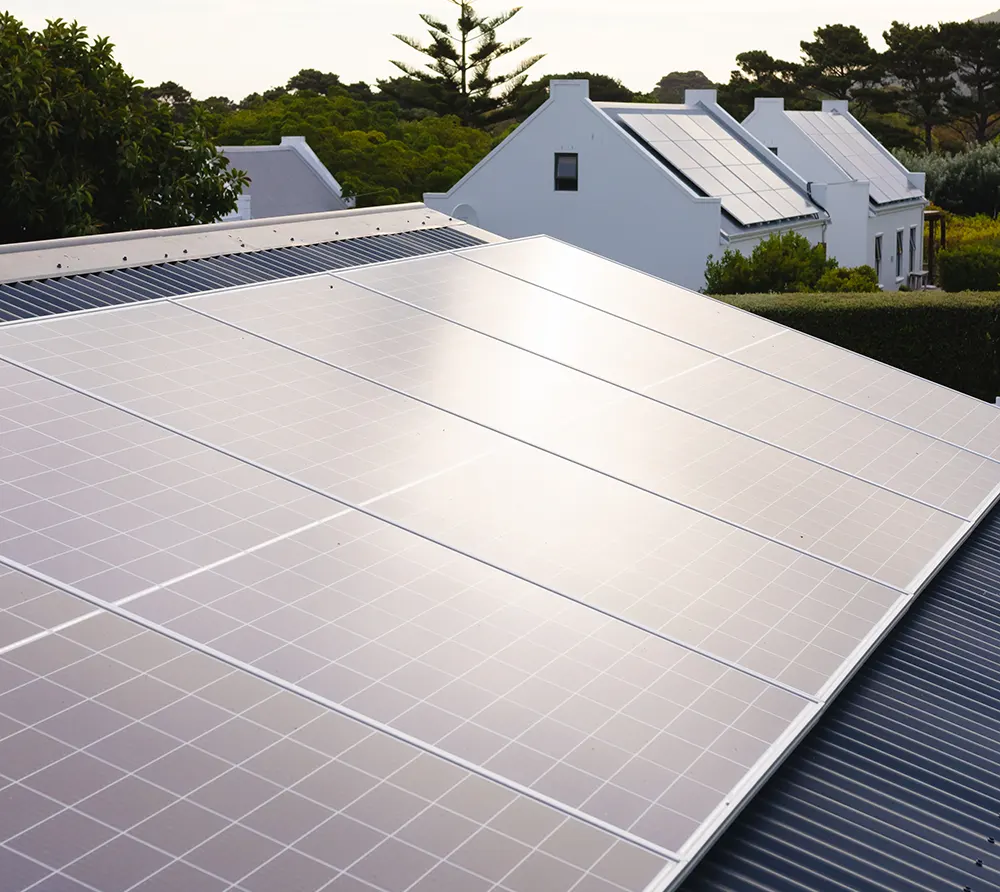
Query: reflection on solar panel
697 146
510 569
45 297
856 154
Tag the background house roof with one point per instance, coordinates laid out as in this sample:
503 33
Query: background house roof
287 179
857 153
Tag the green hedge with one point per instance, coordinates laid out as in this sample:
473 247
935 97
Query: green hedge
948 338
970 268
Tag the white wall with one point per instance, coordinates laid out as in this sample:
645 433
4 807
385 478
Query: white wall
847 232
628 207
888 222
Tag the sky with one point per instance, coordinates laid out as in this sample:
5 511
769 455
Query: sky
235 47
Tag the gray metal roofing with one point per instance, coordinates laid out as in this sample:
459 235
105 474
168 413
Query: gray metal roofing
46 297
897 786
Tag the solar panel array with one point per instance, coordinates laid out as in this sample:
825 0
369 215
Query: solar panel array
700 149
859 157
503 569
66 294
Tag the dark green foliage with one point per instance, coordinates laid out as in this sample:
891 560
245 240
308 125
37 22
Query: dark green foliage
671 87
848 280
603 88
947 338
781 263
966 183
839 62
84 148
460 76
760 74
975 49
376 156
974 267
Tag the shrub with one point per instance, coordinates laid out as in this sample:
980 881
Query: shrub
947 338
972 230
964 183
779 264
970 267
848 279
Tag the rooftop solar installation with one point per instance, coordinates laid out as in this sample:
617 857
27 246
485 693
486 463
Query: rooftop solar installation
67 294
504 569
700 149
859 156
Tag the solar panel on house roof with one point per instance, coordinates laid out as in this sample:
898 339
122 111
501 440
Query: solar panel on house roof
860 158
696 145
67 294
493 507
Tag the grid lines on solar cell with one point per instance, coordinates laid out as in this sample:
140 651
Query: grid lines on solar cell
856 154
434 468
695 144
129 763
626 727
670 371
44 297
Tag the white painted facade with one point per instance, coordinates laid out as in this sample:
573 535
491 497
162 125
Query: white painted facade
857 220
629 206
285 180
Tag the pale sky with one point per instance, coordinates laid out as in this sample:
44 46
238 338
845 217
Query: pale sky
235 47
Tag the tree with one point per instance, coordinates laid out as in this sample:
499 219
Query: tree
759 74
175 96
671 87
461 79
84 149
838 62
603 88
966 183
921 69
975 102
312 80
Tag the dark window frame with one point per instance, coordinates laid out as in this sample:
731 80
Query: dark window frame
567 183
913 249
899 253
878 255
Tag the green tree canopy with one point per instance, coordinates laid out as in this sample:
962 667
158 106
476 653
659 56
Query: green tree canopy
839 62
975 103
603 88
85 149
377 156
460 75
921 71
760 74
671 87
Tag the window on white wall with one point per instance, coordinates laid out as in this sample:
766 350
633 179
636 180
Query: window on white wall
913 249
567 172
899 253
878 255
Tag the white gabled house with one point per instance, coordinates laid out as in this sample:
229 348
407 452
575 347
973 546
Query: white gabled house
882 224
656 187
285 180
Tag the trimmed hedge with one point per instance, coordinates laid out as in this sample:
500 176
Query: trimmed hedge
947 338
970 267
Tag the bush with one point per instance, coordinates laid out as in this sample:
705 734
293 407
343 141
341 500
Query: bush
964 183
970 267
779 264
848 280
947 338
972 230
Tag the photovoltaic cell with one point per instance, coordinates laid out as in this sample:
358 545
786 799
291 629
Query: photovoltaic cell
44 297
131 762
856 154
695 144
551 325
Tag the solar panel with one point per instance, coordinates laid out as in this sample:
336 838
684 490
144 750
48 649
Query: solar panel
45 297
506 527
856 154
131 761
720 166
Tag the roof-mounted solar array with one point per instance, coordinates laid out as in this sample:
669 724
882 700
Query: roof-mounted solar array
505 569
66 294
858 156
701 150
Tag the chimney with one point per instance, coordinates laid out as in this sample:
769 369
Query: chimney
835 105
569 89
708 97
762 102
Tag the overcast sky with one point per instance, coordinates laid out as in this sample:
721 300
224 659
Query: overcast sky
235 47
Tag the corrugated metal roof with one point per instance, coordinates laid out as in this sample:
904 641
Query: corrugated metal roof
45 297
898 786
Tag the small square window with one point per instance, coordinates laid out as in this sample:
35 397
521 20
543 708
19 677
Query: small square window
567 172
